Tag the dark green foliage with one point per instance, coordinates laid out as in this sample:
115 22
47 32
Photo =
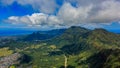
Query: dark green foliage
108 58
80 39
25 59
71 49
43 35
76 40
104 37
69 66
54 53
37 36
95 48
70 36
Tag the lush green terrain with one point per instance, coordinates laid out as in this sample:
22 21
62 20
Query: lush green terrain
77 47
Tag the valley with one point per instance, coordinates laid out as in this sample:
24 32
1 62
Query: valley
75 47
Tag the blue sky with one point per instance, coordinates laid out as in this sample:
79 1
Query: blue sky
54 14
14 10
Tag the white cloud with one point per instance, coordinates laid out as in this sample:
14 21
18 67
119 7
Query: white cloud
54 20
64 18
36 19
108 13
88 15
45 6
72 15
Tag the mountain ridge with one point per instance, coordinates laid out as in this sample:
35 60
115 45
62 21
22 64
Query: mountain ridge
82 47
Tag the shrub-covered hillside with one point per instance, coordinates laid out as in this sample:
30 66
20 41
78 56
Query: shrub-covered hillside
76 47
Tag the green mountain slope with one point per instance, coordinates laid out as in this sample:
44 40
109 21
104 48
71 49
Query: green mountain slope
101 37
76 39
43 35
78 47
84 43
108 58
70 36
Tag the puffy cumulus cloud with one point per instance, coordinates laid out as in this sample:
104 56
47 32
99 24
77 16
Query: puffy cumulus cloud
45 6
72 15
87 2
92 11
54 20
64 18
103 12
108 12
36 19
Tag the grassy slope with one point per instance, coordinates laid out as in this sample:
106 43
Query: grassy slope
83 48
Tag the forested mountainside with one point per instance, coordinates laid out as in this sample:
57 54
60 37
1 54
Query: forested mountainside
43 35
75 47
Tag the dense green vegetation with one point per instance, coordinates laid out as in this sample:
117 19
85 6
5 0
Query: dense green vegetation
77 47
43 35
